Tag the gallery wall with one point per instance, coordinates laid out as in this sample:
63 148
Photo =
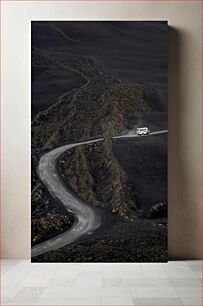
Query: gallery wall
184 190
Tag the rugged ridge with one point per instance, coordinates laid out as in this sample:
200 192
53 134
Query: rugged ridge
95 110
94 174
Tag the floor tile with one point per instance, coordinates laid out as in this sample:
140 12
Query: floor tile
9 292
37 279
116 292
122 274
193 262
158 301
155 274
146 282
90 274
189 291
181 274
196 268
118 301
152 267
21 301
136 282
198 274
123 268
192 301
185 282
89 279
15 275
154 292
46 267
28 292
71 267
88 282
67 274
69 301
91 267
61 282
176 268
4 301
169 283
6 268
112 282
175 263
73 292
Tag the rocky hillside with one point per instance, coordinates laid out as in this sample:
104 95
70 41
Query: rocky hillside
94 174
95 110
48 219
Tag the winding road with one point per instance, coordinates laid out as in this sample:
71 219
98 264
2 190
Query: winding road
86 218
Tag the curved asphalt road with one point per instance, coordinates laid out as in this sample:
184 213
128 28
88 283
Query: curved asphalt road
86 219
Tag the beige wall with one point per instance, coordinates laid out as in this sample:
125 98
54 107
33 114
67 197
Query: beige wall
184 113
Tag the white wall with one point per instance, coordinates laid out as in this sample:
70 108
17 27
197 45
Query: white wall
184 112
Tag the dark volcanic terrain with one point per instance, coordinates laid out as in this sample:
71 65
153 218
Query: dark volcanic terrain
78 95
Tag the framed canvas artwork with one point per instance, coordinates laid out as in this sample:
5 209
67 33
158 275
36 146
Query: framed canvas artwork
99 141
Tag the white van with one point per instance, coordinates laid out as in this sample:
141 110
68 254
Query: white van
143 131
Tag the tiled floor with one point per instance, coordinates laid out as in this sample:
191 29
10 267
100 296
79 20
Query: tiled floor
175 283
